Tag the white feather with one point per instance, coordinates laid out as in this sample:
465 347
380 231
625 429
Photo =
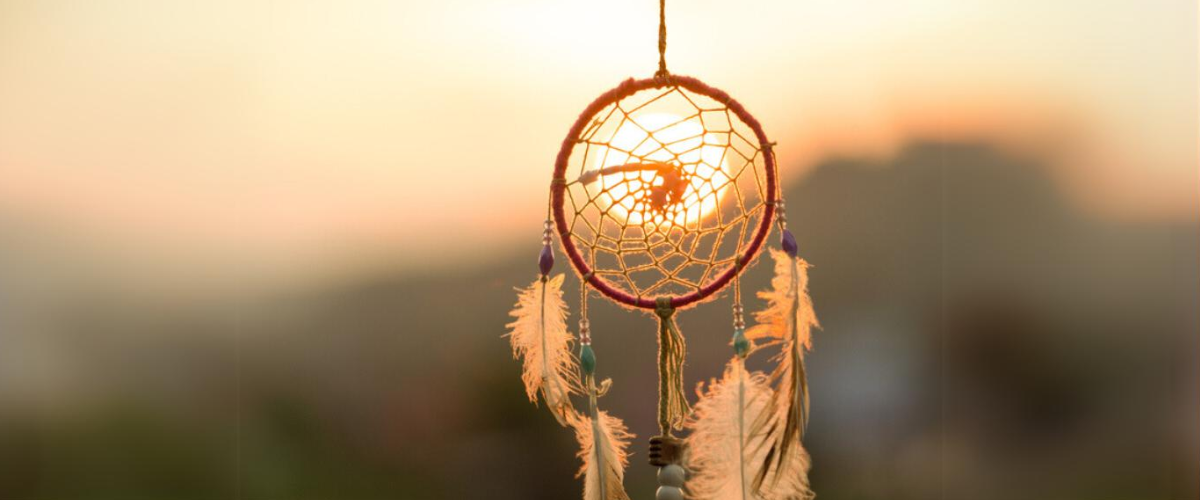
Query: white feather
539 336
725 453
788 321
602 442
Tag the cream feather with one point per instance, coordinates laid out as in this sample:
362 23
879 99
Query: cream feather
602 443
539 336
725 454
787 321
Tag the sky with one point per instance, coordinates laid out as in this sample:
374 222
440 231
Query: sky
282 139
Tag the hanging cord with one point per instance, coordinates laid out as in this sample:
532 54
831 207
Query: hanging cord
741 346
673 407
780 213
787 240
662 40
584 331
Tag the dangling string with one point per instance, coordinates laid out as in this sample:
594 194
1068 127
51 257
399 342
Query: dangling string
672 404
587 357
539 337
741 346
662 40
788 320
603 438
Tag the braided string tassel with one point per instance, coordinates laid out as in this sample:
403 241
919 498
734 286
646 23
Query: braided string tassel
673 407
666 451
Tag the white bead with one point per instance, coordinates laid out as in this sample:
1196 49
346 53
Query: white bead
668 493
671 475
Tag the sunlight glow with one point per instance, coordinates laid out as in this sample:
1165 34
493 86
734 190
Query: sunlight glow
683 152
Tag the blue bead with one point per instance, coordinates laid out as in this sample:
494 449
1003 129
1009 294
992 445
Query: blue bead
740 344
789 243
587 360
546 260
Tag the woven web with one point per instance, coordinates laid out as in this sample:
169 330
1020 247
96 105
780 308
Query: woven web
665 189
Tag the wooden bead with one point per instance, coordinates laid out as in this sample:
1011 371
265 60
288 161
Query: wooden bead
671 475
668 493
665 450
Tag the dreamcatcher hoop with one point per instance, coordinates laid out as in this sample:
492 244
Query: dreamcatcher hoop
559 182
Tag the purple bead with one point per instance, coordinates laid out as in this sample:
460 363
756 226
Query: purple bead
546 260
789 243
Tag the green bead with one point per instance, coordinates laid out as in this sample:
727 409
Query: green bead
587 360
740 345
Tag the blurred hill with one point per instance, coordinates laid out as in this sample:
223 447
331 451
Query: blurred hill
981 339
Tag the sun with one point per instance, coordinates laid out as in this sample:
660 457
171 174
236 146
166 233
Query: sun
660 170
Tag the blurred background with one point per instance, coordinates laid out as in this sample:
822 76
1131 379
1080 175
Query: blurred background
265 250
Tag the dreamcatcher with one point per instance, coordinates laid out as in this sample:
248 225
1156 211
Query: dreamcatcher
663 192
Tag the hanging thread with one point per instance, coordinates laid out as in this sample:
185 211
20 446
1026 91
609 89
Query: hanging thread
662 40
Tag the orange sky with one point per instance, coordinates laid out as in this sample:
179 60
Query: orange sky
301 135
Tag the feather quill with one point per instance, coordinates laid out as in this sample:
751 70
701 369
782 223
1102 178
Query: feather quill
787 321
725 454
602 442
540 338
